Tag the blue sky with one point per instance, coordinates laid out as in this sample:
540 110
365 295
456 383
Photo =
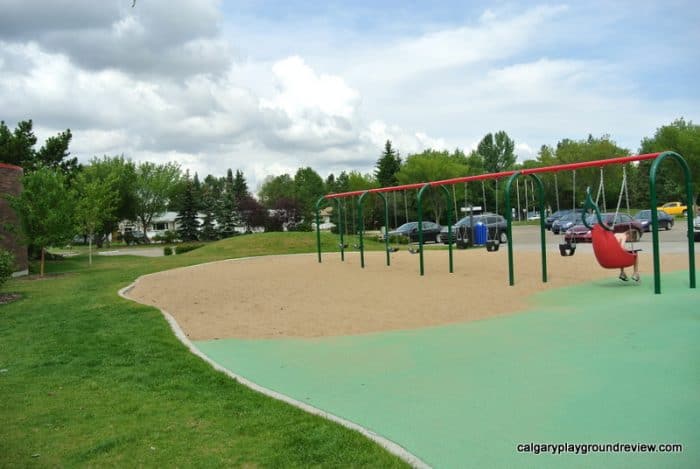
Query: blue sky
267 86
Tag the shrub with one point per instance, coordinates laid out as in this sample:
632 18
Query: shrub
7 265
169 236
398 239
167 251
301 226
183 248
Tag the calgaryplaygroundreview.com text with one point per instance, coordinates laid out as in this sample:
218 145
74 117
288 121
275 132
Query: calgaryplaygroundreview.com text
586 448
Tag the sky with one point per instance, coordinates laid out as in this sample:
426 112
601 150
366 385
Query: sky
270 86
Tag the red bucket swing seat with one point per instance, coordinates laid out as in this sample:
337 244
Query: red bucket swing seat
608 251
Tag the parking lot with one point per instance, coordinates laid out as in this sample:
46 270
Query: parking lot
527 237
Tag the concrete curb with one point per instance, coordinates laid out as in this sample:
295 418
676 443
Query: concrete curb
385 443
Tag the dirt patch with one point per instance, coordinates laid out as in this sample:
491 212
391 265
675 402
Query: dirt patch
295 296
7 298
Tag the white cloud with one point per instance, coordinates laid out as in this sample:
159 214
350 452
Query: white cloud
524 152
378 132
301 90
495 37
160 82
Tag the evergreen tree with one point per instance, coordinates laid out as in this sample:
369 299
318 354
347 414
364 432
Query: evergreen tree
387 166
18 148
198 191
209 233
226 209
330 183
240 186
209 207
187 217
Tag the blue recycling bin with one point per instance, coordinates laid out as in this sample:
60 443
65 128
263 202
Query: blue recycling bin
480 234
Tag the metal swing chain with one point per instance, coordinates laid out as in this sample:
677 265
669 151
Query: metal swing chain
556 189
405 205
623 190
572 243
483 195
517 189
454 201
527 208
602 187
627 202
601 190
496 195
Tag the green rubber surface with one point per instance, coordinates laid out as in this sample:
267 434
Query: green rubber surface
602 363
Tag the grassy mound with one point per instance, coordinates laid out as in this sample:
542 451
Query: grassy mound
88 378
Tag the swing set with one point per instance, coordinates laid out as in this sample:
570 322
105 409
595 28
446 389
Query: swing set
607 254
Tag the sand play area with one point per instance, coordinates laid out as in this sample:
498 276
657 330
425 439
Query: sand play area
295 296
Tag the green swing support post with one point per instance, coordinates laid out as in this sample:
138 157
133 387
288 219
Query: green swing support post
655 217
448 198
509 225
319 204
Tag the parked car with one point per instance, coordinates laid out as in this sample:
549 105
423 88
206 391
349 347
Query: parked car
461 231
674 208
644 217
549 221
431 231
580 233
567 221
696 229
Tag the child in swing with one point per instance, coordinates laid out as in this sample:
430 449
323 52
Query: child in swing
623 238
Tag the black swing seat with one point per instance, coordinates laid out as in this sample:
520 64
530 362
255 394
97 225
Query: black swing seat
413 250
392 249
492 245
343 245
567 249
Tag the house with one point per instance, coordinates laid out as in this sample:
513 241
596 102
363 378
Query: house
325 218
159 224
166 221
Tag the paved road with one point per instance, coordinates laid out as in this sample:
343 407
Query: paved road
144 252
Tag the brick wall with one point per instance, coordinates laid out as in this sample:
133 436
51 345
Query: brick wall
10 184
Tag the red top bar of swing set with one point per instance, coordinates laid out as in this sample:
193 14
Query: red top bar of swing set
481 177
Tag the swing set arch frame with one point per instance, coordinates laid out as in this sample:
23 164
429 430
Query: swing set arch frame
658 158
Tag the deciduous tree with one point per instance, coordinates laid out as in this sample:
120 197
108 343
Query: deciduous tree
96 201
155 184
432 165
46 209
680 136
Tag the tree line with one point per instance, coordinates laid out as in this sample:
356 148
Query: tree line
62 198
495 153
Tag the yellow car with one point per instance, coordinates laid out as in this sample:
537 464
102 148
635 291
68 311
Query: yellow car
674 208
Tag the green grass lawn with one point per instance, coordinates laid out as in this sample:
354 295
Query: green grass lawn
88 378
